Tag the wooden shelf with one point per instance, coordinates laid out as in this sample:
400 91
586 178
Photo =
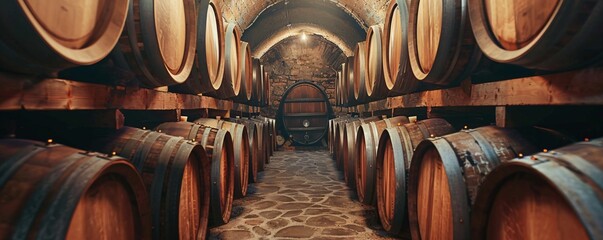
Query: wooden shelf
28 93
582 87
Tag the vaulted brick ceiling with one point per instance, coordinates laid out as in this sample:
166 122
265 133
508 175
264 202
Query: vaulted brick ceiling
267 22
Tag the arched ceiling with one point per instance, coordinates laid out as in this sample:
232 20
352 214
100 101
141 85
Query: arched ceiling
266 22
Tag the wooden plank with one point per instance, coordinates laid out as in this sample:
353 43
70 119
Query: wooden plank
302 100
30 93
581 87
306 115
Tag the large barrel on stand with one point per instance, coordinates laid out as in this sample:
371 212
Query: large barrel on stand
53 190
395 151
159 42
176 174
304 112
542 34
219 151
208 69
554 195
42 37
445 175
366 142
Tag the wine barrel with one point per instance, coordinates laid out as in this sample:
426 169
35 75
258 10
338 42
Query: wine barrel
360 64
159 42
219 151
348 77
554 195
339 144
394 153
267 88
174 171
376 88
266 144
541 34
445 174
399 79
304 112
43 37
348 159
246 79
261 142
209 61
365 154
332 125
54 191
253 148
339 89
240 139
344 84
346 142
230 84
256 94
441 46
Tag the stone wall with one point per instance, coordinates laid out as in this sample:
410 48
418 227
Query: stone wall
293 60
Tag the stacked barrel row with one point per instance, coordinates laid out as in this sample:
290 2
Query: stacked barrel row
434 44
173 182
183 44
428 180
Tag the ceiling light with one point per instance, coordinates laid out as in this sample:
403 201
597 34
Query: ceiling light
304 36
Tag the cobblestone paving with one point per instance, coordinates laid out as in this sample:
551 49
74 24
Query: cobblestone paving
300 195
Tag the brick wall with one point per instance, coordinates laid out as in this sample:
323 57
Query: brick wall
293 60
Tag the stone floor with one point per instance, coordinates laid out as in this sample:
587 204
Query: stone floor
300 195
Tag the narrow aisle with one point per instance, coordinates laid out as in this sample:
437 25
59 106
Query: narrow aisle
300 195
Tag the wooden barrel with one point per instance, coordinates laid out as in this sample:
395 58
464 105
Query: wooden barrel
445 175
261 141
360 63
174 171
347 142
267 87
554 195
219 151
240 139
541 34
54 191
256 93
159 42
344 84
254 151
348 77
394 154
441 46
246 79
339 143
304 112
376 88
266 144
332 131
366 141
41 37
230 84
209 61
398 76
338 90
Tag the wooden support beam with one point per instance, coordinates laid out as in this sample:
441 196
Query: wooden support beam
582 87
23 92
